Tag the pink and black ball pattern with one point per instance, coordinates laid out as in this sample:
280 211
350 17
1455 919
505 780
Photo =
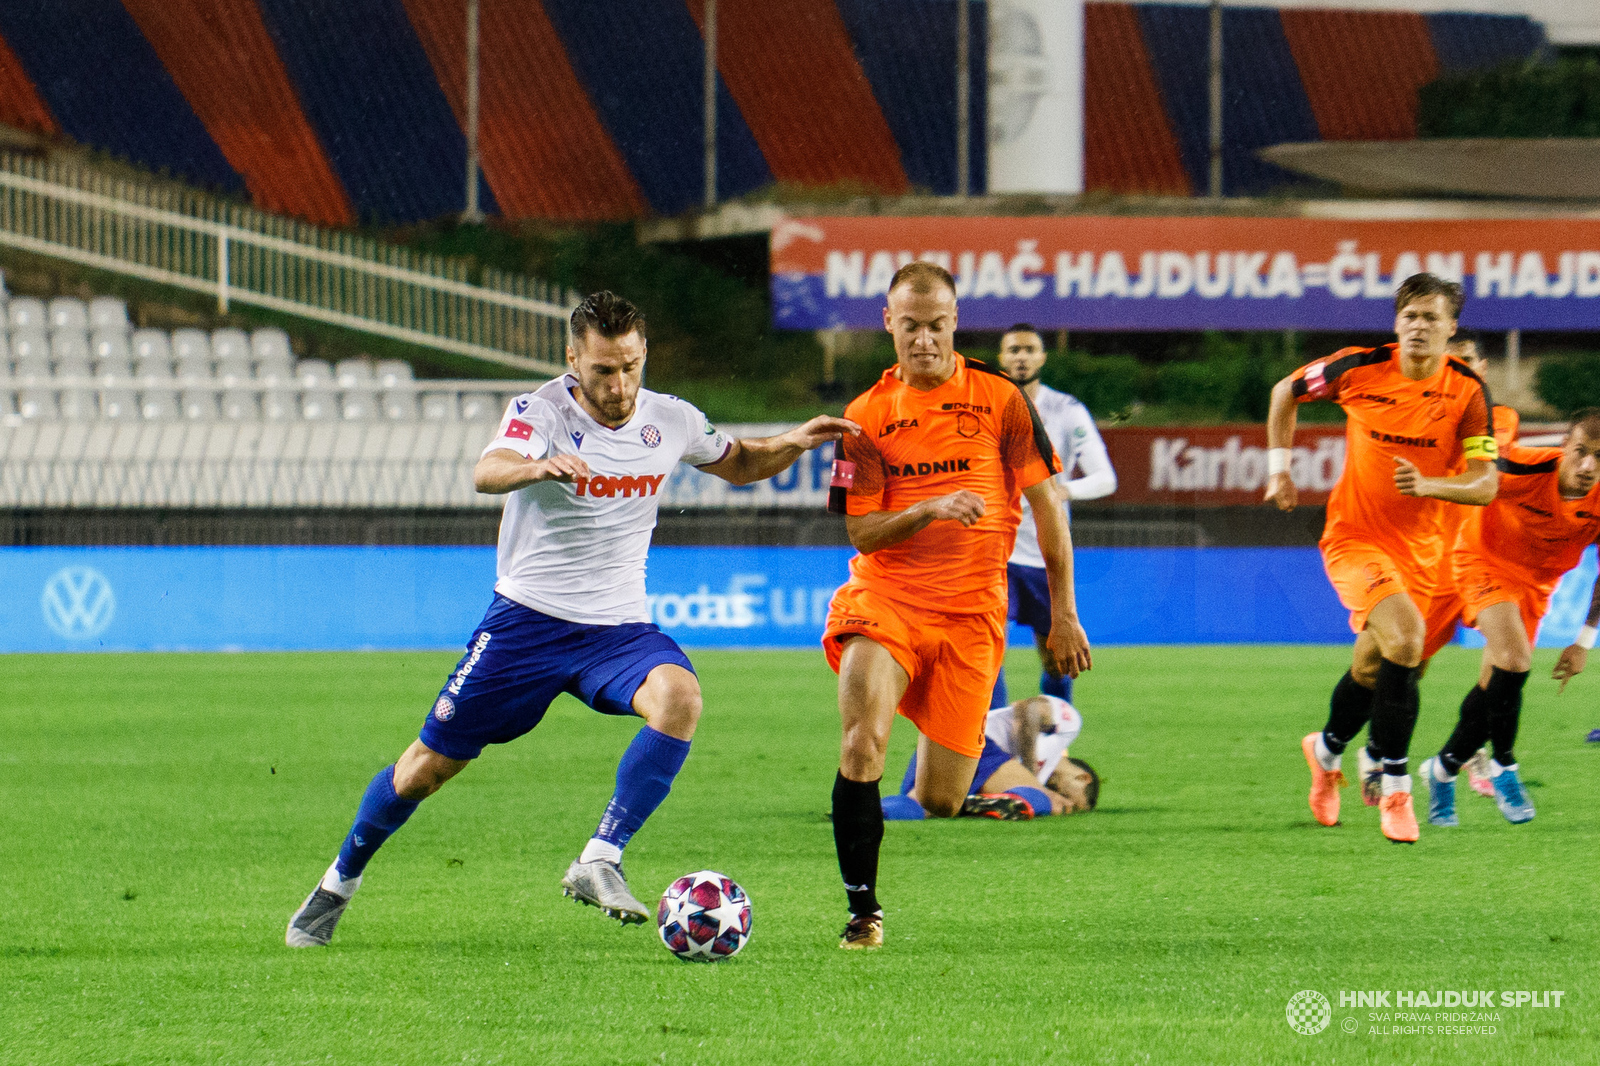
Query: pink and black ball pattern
704 916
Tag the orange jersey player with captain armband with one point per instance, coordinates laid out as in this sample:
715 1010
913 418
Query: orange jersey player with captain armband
1507 562
1413 418
932 490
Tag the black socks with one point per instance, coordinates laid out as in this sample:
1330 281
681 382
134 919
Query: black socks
857 833
1489 713
1348 711
1394 715
1472 729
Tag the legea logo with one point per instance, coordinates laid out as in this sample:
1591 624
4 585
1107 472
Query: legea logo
78 602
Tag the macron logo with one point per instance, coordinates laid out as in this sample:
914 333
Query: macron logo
605 487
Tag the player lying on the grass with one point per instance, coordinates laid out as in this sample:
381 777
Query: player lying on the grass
1508 559
580 461
1072 431
947 449
1412 417
1033 732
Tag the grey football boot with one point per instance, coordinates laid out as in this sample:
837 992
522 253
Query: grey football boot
312 925
602 884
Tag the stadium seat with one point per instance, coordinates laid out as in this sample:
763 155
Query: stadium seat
191 345
478 407
313 374
278 405
119 405
114 372
108 313
354 373
439 406
398 406
36 404
69 346
26 313
193 370
153 369
358 405
73 366
392 372
31 363
77 405
151 344
271 345
240 405
30 344
158 405
109 344
317 405
231 344
198 405
8 403
233 370
69 312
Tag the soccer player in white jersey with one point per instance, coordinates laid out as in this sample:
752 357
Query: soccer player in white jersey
1025 770
581 461
1071 429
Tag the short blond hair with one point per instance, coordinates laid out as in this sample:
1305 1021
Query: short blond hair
922 276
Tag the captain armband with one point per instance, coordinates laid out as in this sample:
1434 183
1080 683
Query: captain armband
1480 448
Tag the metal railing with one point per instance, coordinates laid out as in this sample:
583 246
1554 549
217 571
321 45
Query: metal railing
188 239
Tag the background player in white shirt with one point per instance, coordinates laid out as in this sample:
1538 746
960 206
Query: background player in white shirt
1025 770
1071 429
581 462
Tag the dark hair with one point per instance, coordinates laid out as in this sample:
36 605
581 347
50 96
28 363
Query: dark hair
1023 327
1420 286
1091 791
608 315
1587 419
922 275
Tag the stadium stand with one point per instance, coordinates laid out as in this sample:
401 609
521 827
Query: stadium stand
593 110
543 149
220 55
641 62
336 54
106 87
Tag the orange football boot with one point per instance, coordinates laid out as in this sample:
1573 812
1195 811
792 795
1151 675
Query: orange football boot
1325 784
1398 818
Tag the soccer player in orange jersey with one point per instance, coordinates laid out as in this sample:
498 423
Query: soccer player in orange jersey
947 450
1507 561
1412 415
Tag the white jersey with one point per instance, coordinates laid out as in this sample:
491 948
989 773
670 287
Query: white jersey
1049 748
1070 428
577 550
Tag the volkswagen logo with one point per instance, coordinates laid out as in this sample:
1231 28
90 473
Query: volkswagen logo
78 602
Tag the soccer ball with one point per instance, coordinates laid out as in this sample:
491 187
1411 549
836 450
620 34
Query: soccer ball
704 916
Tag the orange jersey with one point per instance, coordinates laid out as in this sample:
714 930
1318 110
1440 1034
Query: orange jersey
1529 532
978 432
1506 422
1437 423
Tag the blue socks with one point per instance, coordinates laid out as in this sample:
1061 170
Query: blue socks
1049 686
1037 798
901 808
644 777
382 811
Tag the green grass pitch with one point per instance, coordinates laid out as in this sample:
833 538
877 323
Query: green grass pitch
161 815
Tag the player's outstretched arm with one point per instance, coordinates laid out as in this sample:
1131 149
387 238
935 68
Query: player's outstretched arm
1475 486
754 459
1281 417
1574 657
503 470
1067 642
877 530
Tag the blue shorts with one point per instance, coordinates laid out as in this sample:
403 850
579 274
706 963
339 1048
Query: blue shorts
1029 600
519 660
993 757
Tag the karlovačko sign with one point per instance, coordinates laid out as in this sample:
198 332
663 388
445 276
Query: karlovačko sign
1098 273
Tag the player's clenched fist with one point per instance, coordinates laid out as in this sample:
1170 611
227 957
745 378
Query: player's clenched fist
557 468
1281 491
962 506
1407 478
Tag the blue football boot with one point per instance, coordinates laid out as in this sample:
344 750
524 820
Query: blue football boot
1441 796
1510 797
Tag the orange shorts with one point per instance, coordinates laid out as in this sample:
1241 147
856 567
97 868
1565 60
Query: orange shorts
1483 584
1364 575
1440 615
952 660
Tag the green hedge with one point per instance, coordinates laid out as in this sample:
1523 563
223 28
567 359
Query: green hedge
1569 382
1519 99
